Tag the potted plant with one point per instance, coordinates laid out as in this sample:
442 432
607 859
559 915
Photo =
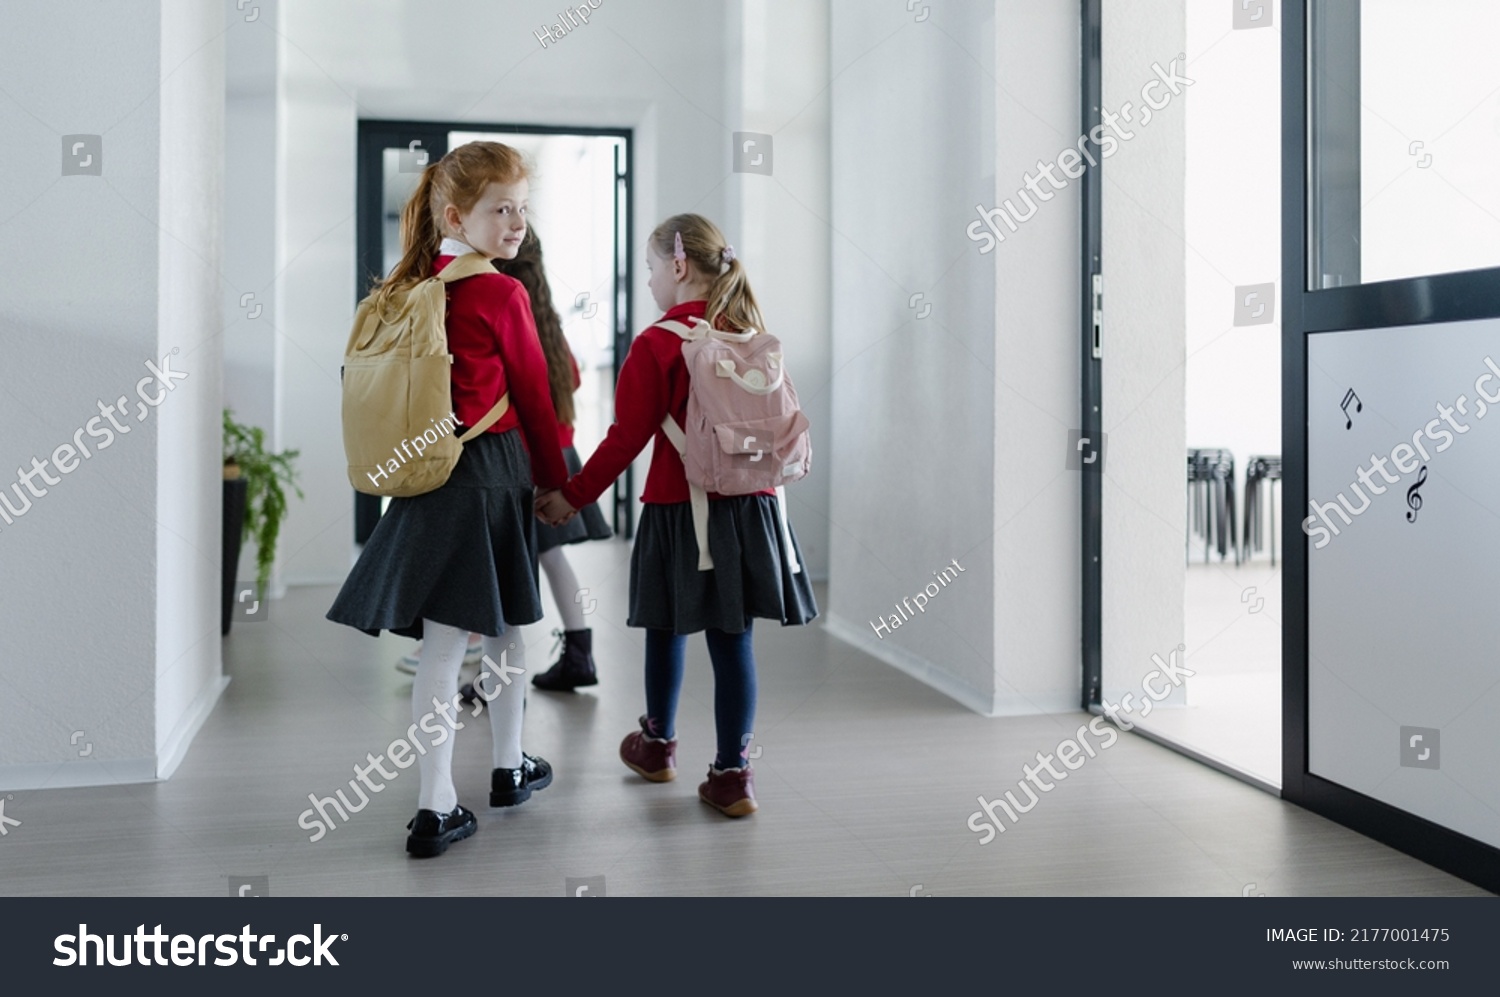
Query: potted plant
254 503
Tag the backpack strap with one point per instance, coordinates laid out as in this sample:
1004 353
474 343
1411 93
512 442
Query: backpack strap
467 265
490 418
786 531
699 329
698 496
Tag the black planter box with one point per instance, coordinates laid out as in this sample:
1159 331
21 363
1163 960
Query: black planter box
234 524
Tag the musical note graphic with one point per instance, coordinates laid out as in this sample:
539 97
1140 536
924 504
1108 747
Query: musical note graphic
1413 497
1359 406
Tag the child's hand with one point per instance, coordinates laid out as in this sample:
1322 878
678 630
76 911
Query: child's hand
553 509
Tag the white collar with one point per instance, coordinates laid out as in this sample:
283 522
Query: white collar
455 247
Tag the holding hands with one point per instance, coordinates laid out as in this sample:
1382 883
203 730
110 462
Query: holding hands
552 509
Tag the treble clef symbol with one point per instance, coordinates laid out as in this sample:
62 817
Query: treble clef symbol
1413 497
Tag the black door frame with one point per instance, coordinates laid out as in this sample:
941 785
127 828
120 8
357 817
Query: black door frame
1443 298
1090 416
375 135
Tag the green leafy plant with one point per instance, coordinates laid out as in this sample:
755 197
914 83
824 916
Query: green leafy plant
265 500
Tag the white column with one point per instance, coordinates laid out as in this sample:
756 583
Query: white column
110 581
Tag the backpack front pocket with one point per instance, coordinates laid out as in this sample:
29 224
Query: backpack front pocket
758 454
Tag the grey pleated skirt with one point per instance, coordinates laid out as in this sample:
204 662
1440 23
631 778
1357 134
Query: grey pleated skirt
751 579
464 554
588 525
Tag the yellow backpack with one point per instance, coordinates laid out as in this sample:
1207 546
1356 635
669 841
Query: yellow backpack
398 390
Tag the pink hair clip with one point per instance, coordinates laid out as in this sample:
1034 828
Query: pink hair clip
727 255
677 251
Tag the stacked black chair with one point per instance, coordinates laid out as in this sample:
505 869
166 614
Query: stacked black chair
1260 469
1211 504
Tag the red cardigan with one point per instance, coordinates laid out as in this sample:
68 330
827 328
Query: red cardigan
495 349
653 382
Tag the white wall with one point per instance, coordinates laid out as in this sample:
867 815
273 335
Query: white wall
950 427
627 67
109 582
189 497
1037 546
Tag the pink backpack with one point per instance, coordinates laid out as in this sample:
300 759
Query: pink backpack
745 431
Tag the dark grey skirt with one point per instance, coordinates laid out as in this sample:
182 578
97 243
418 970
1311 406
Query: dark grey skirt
464 554
588 525
751 578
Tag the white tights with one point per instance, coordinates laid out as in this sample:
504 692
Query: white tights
500 686
565 590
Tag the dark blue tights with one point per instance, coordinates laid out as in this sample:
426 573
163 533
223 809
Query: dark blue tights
734 687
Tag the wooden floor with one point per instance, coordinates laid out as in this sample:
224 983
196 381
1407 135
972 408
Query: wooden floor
866 780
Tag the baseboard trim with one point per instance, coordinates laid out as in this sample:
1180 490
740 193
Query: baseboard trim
76 774
311 581
914 665
174 749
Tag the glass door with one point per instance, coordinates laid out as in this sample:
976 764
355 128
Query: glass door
1392 346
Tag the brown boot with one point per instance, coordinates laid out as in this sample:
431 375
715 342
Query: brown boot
653 758
730 791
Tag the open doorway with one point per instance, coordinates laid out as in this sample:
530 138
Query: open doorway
1186 556
580 206
1232 210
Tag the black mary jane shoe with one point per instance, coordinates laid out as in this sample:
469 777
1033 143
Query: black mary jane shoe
509 787
432 832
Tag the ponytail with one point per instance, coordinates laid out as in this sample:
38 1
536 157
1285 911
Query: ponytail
420 239
730 297
729 294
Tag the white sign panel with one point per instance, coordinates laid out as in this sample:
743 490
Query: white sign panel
1403 571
